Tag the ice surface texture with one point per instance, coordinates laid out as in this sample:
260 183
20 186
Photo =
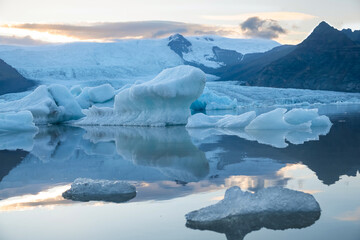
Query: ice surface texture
84 189
209 100
278 119
164 100
57 104
119 61
17 121
272 199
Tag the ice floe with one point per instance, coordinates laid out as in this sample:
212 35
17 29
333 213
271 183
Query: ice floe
17 121
84 189
165 100
278 119
272 199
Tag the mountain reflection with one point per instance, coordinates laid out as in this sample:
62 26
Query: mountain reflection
237 227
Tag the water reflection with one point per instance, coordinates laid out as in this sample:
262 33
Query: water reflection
168 149
237 227
165 163
275 138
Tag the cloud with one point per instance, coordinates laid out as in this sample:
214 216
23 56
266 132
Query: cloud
278 16
256 27
15 40
118 30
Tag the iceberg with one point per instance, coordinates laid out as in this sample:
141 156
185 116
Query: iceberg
278 119
164 100
84 189
209 100
53 104
201 120
90 95
267 200
17 121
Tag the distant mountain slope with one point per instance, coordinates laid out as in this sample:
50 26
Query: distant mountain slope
326 60
11 80
128 60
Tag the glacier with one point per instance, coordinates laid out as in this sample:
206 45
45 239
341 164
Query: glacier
84 189
164 100
272 199
119 62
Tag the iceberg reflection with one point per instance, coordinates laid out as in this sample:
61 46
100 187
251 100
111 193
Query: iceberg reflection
275 138
237 227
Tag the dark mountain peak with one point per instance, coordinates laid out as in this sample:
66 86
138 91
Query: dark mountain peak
323 26
353 35
325 36
179 44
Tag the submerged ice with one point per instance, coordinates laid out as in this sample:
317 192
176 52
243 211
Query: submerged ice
272 199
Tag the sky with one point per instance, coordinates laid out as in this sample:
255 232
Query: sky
286 21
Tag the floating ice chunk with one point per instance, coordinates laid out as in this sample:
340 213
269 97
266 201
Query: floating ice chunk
165 100
63 98
321 121
17 121
51 104
40 103
101 93
299 115
75 90
238 202
201 120
274 120
209 100
84 189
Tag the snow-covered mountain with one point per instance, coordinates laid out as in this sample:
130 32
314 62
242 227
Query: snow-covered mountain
126 60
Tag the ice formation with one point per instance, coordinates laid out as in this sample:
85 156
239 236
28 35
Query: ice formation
83 189
254 97
165 100
201 120
209 100
17 121
119 61
272 199
51 104
278 119
90 95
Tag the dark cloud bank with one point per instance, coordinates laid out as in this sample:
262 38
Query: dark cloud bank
262 28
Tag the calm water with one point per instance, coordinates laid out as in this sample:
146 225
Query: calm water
176 171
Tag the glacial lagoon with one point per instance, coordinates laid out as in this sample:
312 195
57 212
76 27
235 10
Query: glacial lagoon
175 171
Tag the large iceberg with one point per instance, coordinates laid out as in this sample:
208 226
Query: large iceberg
165 100
272 199
17 121
83 189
